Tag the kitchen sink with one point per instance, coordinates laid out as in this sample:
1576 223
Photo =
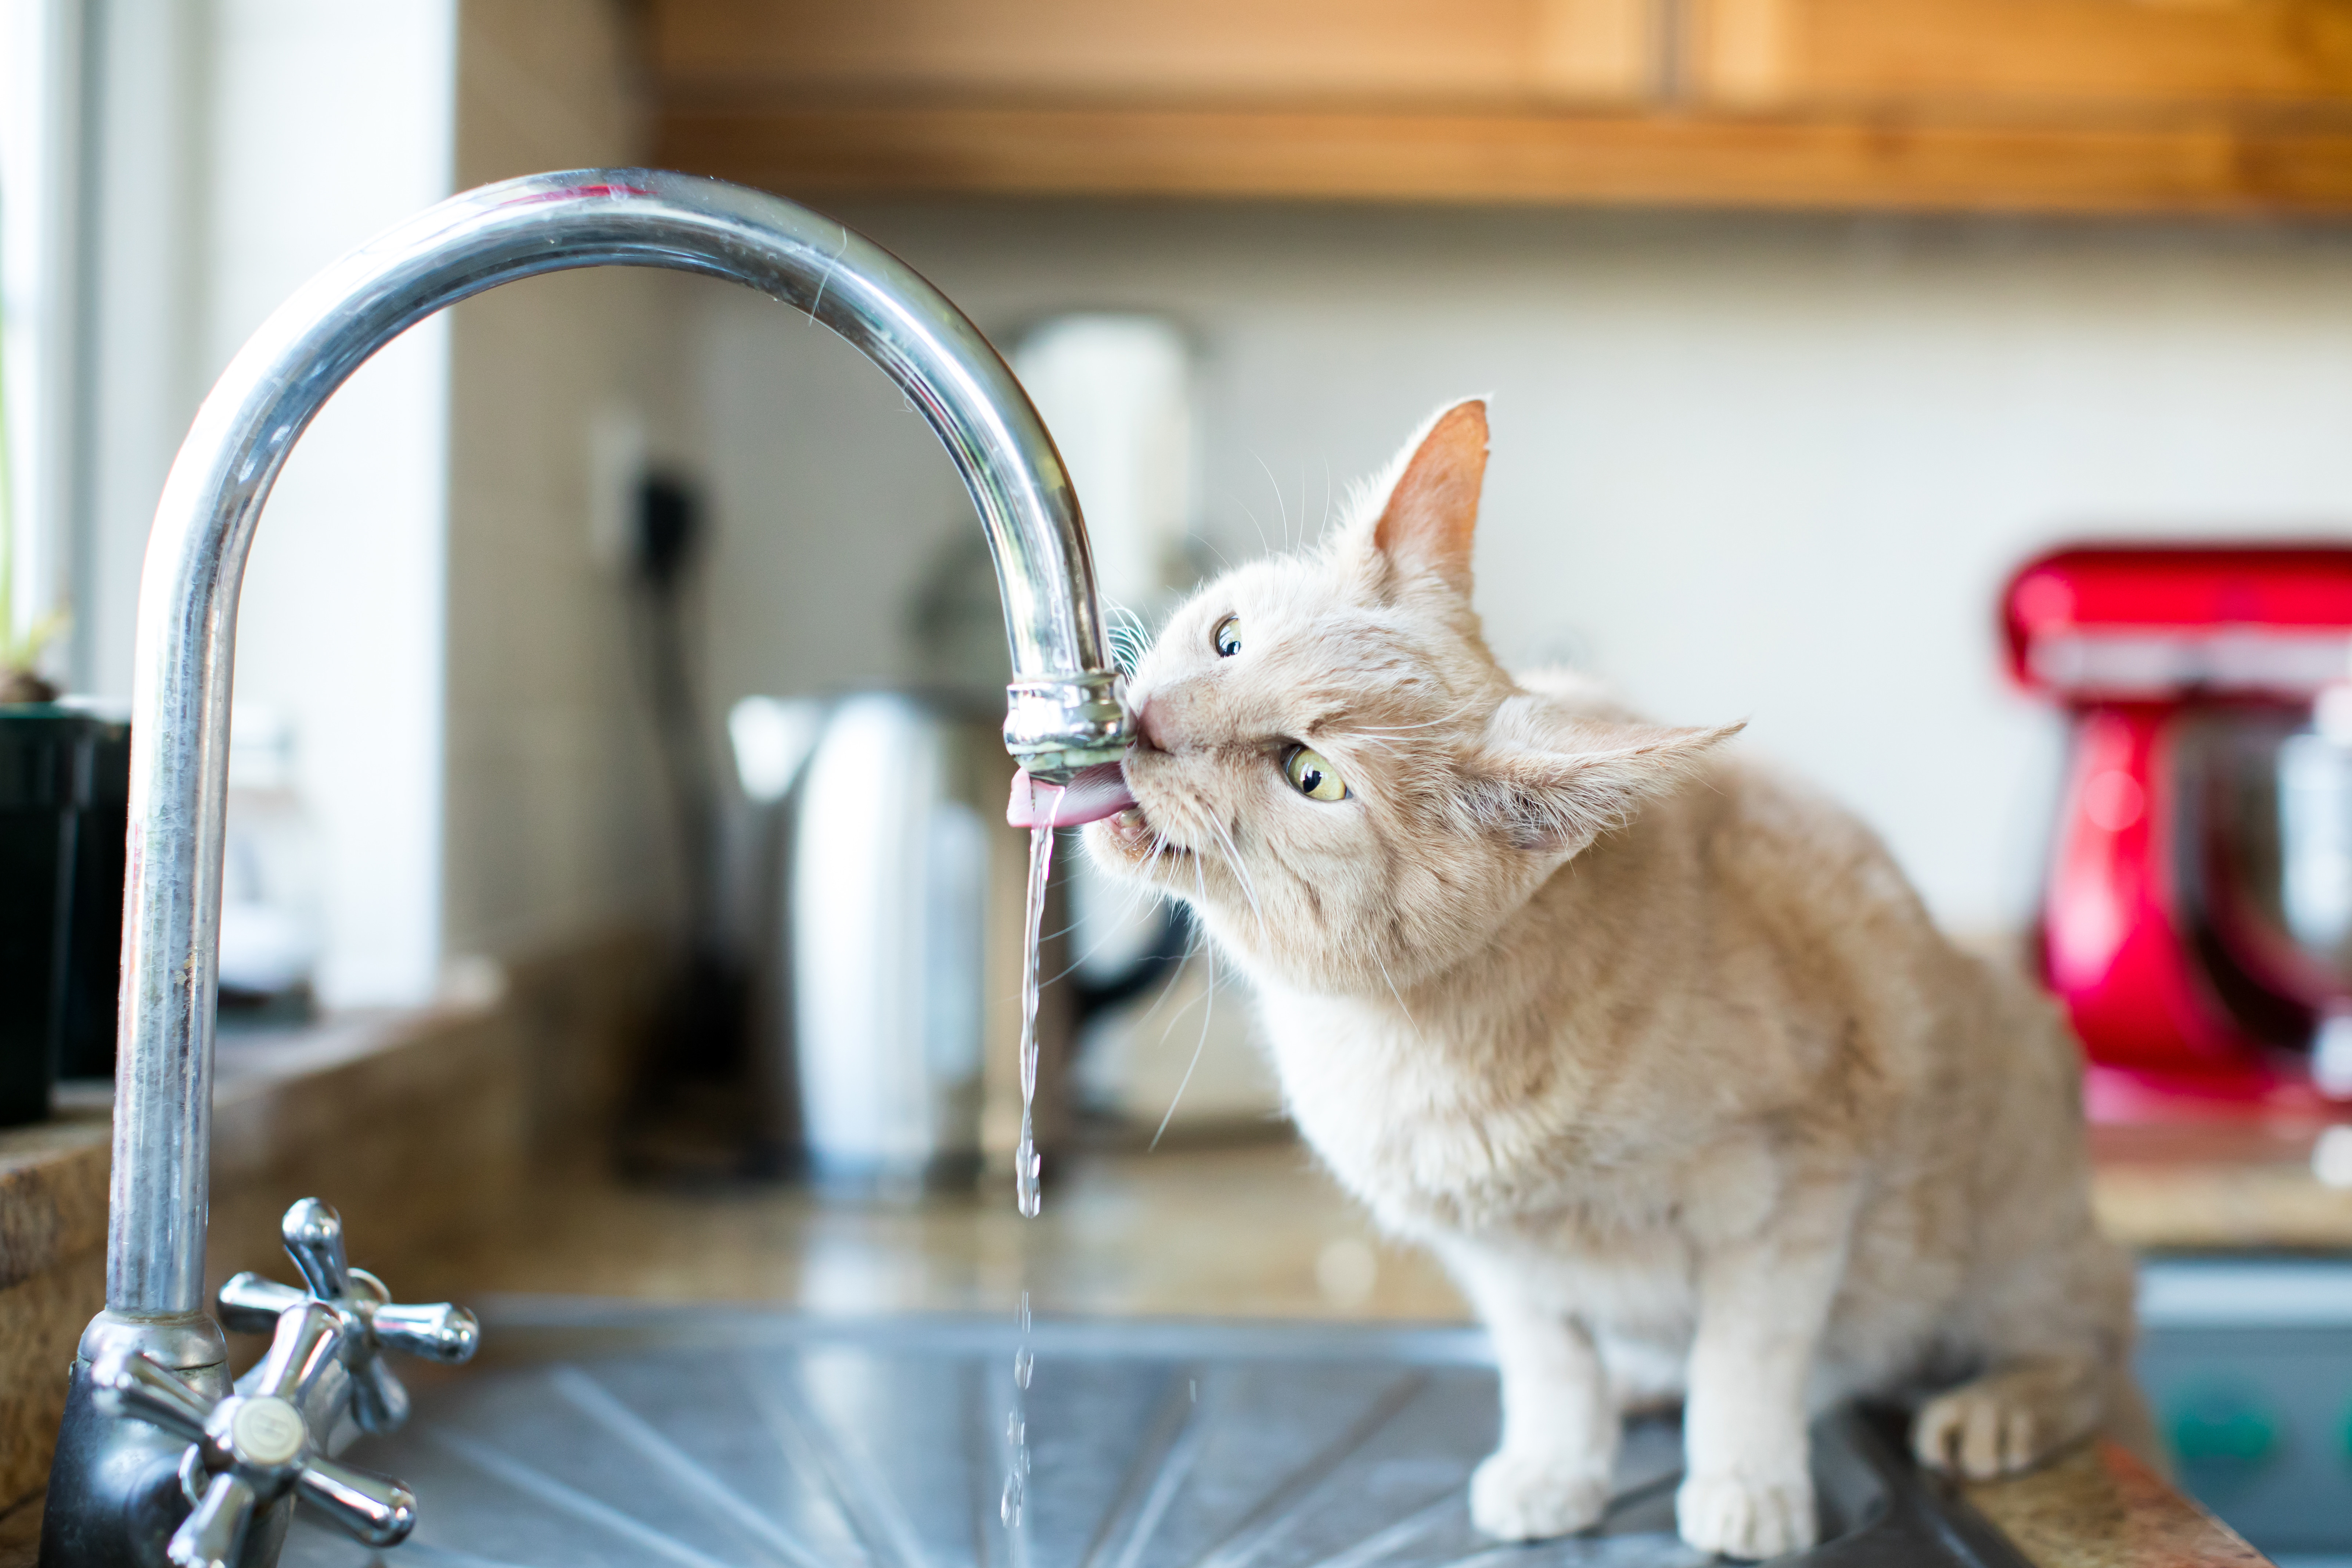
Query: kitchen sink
602 1433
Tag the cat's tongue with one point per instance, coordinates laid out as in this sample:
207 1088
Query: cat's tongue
1097 793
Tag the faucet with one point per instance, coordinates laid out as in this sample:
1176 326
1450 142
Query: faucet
118 1496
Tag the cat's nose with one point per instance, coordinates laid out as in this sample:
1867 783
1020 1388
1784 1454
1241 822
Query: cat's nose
1149 721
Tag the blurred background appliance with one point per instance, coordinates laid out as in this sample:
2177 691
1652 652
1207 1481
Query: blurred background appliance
2198 917
886 941
906 943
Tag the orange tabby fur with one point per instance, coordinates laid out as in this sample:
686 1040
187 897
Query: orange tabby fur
1653 1047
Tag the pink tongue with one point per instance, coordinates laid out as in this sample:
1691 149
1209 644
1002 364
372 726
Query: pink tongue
1097 793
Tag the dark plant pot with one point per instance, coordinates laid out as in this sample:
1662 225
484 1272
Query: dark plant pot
39 746
93 979
64 778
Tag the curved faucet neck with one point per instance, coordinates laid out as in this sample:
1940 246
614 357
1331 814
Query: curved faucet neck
1064 709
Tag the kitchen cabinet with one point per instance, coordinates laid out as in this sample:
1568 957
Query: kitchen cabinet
2186 106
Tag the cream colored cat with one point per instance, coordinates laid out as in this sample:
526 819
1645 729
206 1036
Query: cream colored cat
1654 1048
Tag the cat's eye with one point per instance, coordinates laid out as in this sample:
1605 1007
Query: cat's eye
1311 776
1227 636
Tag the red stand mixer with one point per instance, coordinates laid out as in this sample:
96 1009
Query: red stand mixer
2198 923
2198 920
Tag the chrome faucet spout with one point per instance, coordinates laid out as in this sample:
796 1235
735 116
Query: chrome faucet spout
1064 708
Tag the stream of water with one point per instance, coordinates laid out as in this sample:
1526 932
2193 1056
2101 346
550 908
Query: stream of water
1027 1169
1025 1162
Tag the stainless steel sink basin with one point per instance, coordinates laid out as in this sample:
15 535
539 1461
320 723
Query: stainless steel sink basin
607 1434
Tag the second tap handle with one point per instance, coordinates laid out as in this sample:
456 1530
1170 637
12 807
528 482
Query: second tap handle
251 1304
379 1402
439 1333
314 1239
214 1535
376 1509
309 1341
135 1384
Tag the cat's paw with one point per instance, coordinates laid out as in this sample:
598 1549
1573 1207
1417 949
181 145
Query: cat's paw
1738 1516
1981 1432
1533 1496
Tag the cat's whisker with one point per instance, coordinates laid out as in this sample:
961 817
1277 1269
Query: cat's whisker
1196 945
1281 502
1240 874
1455 716
1409 1021
1135 893
1208 1012
1264 547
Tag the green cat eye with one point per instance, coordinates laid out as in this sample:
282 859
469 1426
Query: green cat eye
1227 636
1311 776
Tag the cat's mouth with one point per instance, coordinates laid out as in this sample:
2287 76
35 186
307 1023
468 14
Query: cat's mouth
1134 832
1131 830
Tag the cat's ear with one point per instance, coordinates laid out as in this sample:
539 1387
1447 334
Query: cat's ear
1551 782
1432 509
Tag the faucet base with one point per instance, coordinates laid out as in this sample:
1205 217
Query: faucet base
114 1488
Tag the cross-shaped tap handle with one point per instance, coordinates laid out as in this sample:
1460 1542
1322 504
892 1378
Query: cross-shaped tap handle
314 1239
255 1447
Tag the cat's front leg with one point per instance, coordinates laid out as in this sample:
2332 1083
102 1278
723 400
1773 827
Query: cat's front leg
1764 1301
1551 1474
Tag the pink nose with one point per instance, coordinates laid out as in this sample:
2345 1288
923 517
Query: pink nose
1150 725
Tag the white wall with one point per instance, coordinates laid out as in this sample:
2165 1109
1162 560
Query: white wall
149 359
421 601
41 44
553 829
330 123
240 146
1765 467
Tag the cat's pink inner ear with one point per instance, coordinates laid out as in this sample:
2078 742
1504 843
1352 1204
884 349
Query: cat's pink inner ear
1434 509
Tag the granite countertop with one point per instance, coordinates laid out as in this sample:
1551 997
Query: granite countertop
2239 1185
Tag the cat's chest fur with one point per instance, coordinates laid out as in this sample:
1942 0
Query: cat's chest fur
1436 1149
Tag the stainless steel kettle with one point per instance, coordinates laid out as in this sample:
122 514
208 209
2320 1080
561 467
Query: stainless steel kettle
888 1006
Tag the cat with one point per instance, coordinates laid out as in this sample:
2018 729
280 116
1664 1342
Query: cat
1656 1049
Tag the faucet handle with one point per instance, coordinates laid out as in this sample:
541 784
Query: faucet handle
442 1331
251 1449
314 1239
144 1388
250 1304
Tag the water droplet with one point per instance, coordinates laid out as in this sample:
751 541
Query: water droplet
1024 1363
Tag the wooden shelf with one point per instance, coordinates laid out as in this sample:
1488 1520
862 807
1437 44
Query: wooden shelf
2090 106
